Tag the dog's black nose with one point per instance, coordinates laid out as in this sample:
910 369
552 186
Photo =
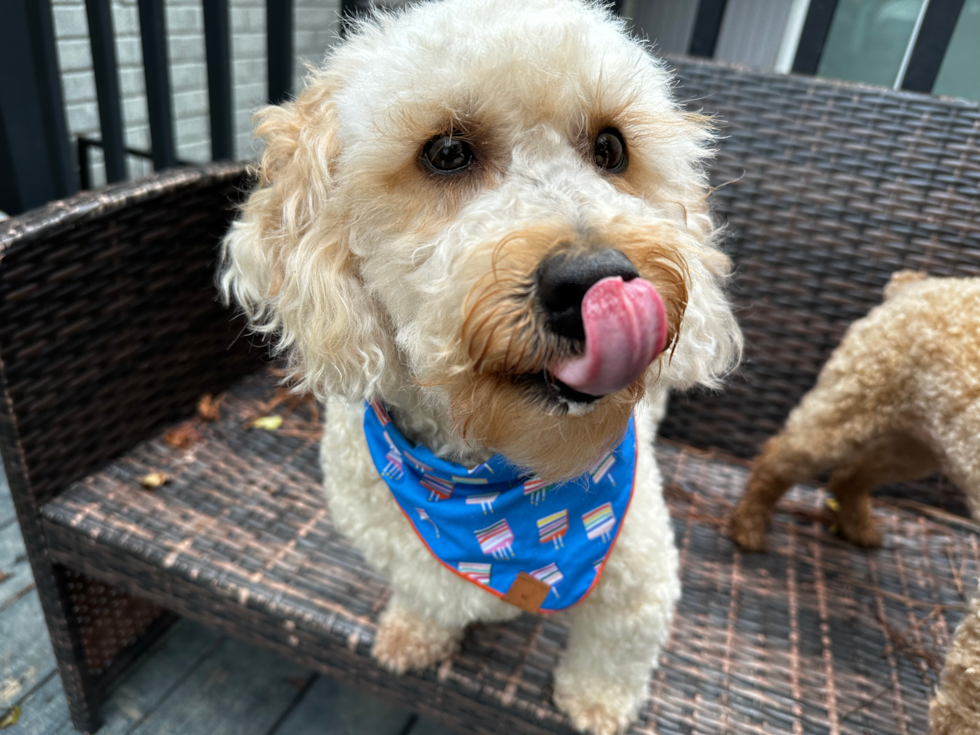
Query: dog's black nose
563 279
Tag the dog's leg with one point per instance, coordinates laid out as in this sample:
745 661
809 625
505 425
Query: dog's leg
828 428
616 634
892 458
767 484
407 641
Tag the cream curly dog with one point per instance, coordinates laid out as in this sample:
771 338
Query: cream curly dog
898 400
490 216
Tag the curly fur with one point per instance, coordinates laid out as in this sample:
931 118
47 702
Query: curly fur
380 280
897 400
955 710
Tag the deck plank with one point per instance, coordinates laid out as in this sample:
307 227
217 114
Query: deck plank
142 694
44 711
26 657
15 571
332 708
240 690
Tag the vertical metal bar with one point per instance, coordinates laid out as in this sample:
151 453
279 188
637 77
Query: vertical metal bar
41 27
84 173
156 71
279 29
107 86
707 25
935 33
217 40
816 28
32 170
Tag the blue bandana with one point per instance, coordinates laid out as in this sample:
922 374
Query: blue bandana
541 547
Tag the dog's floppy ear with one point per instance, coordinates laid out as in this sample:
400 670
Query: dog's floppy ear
287 263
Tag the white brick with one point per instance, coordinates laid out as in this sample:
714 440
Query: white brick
188 76
74 54
247 19
134 110
83 119
70 21
188 104
125 19
128 51
132 81
184 19
138 137
78 87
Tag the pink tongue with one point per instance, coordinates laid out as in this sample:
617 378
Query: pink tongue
625 329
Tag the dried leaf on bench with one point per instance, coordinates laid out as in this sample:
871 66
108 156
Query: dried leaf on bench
208 407
4 576
184 436
269 423
10 717
154 480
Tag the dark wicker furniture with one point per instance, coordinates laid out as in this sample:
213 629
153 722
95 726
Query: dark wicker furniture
109 334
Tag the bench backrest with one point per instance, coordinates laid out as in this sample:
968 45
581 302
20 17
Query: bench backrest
109 324
827 188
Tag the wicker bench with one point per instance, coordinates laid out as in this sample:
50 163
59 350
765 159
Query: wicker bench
110 334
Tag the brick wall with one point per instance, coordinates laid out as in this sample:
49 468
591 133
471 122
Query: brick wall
315 28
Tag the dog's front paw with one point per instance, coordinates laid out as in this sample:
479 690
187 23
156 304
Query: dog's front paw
594 715
406 641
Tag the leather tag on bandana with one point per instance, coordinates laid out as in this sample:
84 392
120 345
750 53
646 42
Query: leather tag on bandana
527 593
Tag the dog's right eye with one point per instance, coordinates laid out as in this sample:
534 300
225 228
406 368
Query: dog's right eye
445 154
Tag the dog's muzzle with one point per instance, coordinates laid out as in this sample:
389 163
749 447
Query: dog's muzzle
597 298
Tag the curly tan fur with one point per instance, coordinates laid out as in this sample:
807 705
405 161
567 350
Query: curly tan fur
955 710
898 399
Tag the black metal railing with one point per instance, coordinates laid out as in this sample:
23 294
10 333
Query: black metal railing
36 161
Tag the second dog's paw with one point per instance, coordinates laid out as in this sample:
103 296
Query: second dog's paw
406 642
748 531
594 716
865 535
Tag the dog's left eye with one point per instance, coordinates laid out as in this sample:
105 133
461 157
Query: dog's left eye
610 151
445 154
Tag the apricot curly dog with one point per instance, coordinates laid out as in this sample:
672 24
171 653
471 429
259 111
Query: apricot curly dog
898 399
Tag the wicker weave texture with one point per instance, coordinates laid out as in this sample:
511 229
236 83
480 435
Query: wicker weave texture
813 637
102 301
826 189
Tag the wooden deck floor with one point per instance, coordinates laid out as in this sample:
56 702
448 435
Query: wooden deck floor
193 681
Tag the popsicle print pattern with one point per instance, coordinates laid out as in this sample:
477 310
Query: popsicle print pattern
423 516
438 488
395 469
553 527
470 480
551 575
535 489
484 500
419 465
381 413
496 540
601 468
599 522
476 571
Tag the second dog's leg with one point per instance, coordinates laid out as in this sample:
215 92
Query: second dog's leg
407 641
892 458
